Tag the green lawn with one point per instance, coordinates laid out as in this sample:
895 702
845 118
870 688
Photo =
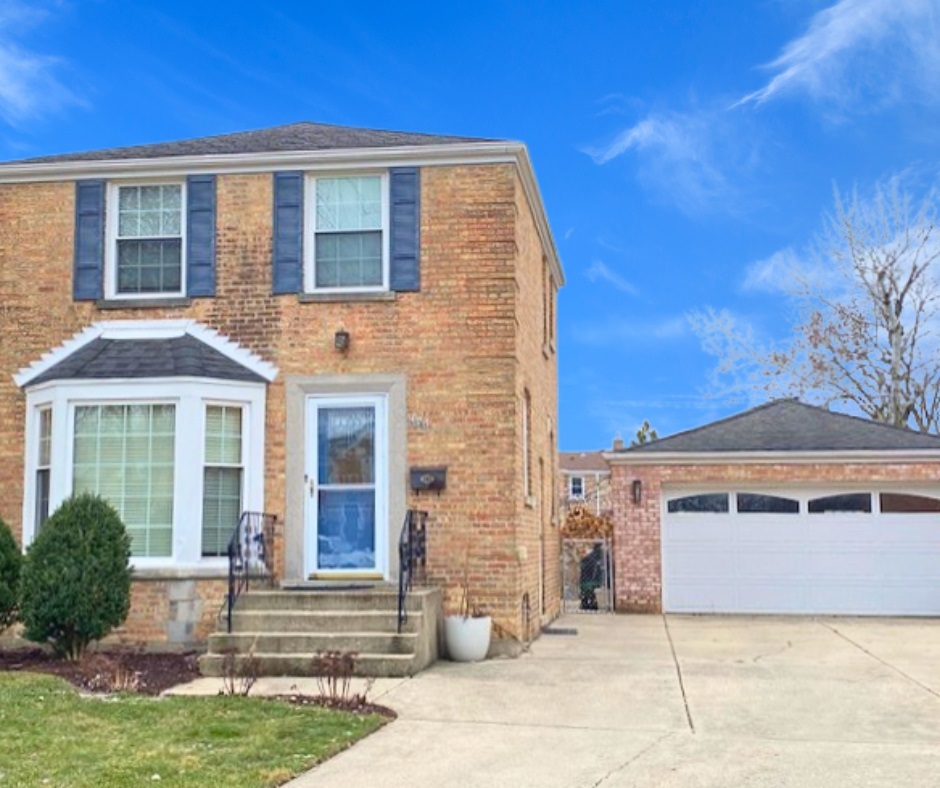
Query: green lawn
51 735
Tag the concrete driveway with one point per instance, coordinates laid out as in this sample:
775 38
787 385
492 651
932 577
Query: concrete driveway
669 701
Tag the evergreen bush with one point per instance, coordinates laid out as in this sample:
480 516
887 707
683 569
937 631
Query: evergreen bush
11 562
76 579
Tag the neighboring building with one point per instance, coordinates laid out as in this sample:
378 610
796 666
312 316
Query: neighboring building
584 480
786 508
287 320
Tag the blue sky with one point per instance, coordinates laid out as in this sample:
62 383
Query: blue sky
685 150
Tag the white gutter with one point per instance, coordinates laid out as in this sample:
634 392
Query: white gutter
336 159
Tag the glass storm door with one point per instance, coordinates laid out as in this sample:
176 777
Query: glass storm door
346 486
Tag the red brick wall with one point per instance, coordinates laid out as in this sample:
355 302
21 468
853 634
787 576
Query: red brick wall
468 344
637 527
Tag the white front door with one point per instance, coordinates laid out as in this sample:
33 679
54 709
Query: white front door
346 476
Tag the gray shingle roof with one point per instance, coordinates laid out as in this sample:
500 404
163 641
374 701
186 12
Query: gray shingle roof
588 461
790 426
277 139
183 356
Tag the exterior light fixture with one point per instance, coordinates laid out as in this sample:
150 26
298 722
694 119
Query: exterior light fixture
637 491
341 341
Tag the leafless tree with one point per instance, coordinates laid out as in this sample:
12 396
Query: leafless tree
866 314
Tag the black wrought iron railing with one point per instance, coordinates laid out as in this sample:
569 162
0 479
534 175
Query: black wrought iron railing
249 556
412 558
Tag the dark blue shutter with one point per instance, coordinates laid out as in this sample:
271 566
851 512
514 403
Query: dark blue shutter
405 219
200 235
88 273
288 231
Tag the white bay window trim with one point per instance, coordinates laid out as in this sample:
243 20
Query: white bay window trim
112 217
310 231
190 397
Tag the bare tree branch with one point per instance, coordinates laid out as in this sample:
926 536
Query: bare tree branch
866 331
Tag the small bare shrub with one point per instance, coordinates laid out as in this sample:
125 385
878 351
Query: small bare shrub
104 673
334 671
239 675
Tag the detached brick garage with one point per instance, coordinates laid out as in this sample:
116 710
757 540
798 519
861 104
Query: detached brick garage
786 508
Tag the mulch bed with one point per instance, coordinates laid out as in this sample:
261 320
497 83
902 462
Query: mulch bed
149 674
108 671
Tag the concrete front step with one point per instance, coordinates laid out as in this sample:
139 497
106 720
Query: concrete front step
311 621
271 643
386 665
285 629
385 600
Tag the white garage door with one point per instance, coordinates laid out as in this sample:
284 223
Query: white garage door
859 552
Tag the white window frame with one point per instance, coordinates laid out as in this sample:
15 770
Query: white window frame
190 396
242 460
571 493
379 403
310 231
112 215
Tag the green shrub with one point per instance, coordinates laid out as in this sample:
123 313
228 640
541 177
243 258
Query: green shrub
11 561
76 579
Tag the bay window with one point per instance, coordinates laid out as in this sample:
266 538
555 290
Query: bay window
179 460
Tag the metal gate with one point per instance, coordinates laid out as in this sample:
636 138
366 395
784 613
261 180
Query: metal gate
586 576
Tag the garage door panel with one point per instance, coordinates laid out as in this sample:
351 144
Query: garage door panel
712 563
761 529
833 562
770 565
699 597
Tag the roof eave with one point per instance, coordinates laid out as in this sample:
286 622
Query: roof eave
339 158
866 456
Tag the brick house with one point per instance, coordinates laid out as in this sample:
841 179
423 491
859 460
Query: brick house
785 508
584 480
287 320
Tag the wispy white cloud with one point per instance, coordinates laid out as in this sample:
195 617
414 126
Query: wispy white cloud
683 157
881 50
601 272
772 274
30 85
618 330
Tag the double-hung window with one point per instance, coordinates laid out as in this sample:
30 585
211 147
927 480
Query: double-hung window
576 488
146 242
347 238
43 466
222 477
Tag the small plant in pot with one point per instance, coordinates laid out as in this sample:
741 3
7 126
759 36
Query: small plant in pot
467 633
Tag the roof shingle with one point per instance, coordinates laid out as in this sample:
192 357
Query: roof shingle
183 356
790 426
303 136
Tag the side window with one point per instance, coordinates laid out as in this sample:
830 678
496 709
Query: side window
43 467
222 477
716 503
576 487
757 503
904 503
848 502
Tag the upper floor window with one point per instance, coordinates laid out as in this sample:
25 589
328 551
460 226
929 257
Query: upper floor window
576 487
145 246
347 243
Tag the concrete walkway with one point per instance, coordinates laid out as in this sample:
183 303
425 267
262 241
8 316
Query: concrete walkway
646 701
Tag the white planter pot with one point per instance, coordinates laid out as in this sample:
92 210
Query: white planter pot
467 639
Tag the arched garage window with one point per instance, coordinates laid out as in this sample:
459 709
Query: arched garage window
704 502
758 503
903 503
858 503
